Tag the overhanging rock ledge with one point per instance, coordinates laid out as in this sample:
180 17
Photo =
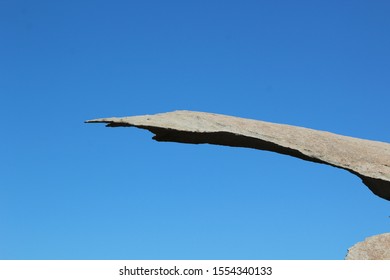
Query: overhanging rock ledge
369 160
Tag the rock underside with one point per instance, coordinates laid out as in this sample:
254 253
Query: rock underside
369 160
372 248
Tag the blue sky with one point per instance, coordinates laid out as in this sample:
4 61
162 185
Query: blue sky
70 190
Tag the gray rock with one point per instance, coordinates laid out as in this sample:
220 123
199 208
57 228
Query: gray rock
376 247
369 160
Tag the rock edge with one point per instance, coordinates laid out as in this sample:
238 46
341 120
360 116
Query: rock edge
369 160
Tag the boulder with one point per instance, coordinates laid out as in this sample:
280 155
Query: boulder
369 160
376 247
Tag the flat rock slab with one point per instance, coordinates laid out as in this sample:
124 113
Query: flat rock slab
376 247
369 160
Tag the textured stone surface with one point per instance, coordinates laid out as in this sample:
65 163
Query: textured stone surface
376 247
370 160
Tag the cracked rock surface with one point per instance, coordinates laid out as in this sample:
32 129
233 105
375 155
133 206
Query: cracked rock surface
369 160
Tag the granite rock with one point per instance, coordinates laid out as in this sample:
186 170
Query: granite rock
369 160
376 247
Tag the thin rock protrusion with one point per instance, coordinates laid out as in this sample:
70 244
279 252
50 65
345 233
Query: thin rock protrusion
369 160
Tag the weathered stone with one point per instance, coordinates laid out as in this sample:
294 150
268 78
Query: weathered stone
376 247
369 160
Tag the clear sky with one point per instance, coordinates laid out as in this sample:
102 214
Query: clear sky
70 190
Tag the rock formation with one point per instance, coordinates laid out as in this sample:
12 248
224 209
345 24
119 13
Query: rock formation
376 247
369 160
